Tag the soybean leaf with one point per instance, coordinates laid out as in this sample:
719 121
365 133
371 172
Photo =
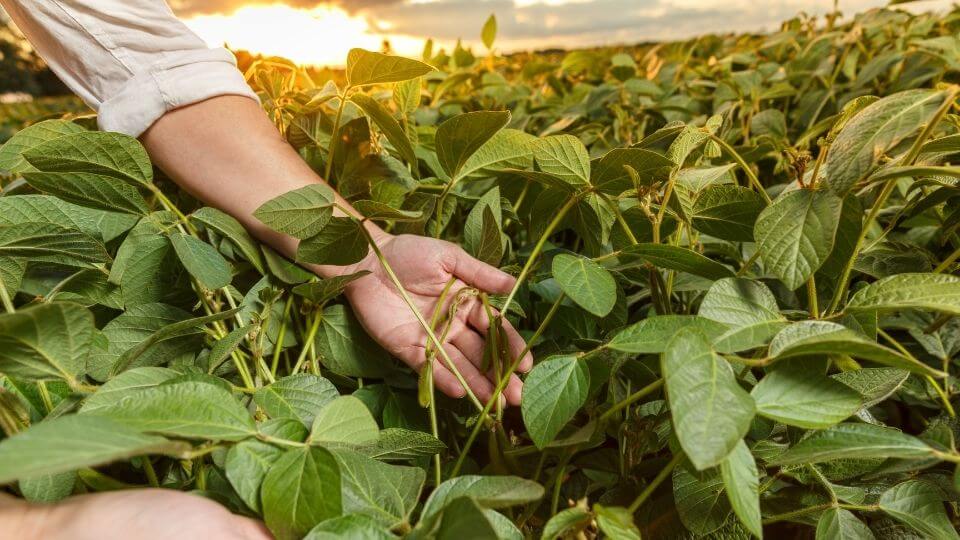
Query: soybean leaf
727 212
225 346
246 466
747 307
796 232
301 489
874 131
48 488
97 152
823 337
616 522
742 484
915 504
463 518
587 283
321 292
489 31
202 261
46 341
340 243
346 348
609 173
125 384
189 409
366 67
301 213
380 211
11 153
710 411
676 258
554 391
854 441
301 396
44 242
349 527
90 190
936 292
71 442
483 234
386 493
488 491
800 394
344 420
506 148
873 384
230 228
565 157
388 124
566 523
397 444
652 334
461 136
103 226
699 497
841 524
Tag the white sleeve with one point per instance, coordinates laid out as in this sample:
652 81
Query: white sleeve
130 60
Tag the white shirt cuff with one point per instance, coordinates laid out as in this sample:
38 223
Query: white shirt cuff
182 79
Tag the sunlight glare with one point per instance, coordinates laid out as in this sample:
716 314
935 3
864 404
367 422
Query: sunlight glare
319 36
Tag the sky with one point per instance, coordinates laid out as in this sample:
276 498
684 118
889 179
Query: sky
322 31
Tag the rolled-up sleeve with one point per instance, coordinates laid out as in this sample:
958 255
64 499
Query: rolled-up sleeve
130 60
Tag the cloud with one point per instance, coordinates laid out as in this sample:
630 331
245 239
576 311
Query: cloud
191 8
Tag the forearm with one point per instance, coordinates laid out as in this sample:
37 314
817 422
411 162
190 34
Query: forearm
19 519
227 153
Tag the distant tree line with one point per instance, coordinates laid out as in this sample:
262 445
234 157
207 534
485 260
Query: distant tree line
21 69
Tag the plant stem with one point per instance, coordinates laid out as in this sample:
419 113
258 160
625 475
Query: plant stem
278 346
754 181
308 343
5 297
655 483
933 382
502 383
812 297
631 399
335 134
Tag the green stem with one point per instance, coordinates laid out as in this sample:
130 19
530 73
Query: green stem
812 297
5 298
631 399
754 181
308 343
335 134
655 483
278 347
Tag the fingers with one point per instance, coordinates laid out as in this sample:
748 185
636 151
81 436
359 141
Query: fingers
478 382
480 274
478 319
250 529
443 379
472 346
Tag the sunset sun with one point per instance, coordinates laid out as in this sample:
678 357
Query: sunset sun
320 35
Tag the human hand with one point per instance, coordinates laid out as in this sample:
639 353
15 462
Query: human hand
144 514
424 266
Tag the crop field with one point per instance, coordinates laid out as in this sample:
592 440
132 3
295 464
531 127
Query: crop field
735 262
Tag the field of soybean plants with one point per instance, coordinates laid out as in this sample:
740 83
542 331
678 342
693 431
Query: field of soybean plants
735 261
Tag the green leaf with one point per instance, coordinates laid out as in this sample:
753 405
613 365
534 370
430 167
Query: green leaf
506 148
301 213
800 394
246 466
11 153
97 152
553 393
651 335
43 242
344 420
189 409
566 523
340 243
483 230
873 384
795 234
823 337
104 226
146 267
464 519
676 258
565 157
325 290
48 488
587 283
396 444
301 489
727 212
854 441
489 31
841 524
747 307
915 503
366 67
487 491
386 493
388 125
225 347
202 261
301 396
346 348
233 231
384 212
742 483
874 131
349 527
125 384
72 442
46 341
458 138
136 326
90 190
699 498
609 174
935 292
710 411
616 522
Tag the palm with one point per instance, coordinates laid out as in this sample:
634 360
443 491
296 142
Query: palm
425 266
